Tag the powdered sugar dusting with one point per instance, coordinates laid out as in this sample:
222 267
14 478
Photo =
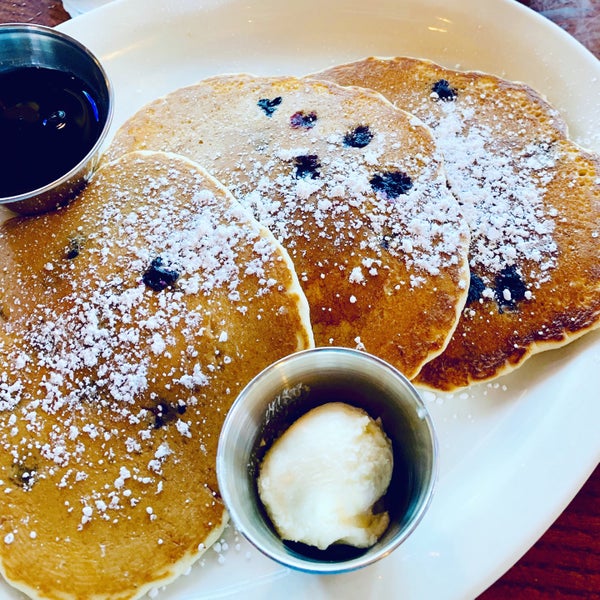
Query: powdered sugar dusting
421 228
344 181
501 184
128 335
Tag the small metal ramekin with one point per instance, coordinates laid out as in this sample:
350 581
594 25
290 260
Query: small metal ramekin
24 45
283 392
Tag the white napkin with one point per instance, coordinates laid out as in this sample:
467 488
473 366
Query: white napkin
78 7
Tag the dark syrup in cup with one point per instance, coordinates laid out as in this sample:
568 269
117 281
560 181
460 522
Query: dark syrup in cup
49 121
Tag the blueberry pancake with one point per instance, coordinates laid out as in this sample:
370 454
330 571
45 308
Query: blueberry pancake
129 322
532 201
352 187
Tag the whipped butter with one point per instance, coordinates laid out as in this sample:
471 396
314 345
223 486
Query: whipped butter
320 480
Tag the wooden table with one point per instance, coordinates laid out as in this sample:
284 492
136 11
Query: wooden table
565 563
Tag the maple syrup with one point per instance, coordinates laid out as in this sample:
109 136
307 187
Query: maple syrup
49 121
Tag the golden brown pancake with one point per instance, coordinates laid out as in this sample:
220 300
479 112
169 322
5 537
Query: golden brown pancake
352 187
532 201
130 321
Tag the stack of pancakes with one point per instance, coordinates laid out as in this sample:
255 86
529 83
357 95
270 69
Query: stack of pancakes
440 220
531 198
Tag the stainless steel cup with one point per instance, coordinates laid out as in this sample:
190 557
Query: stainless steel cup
34 45
283 392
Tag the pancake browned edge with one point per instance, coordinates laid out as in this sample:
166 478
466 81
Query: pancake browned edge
351 186
129 322
532 200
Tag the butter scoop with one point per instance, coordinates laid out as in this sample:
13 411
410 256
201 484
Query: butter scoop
320 480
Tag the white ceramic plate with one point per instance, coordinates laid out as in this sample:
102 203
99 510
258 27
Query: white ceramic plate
513 453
